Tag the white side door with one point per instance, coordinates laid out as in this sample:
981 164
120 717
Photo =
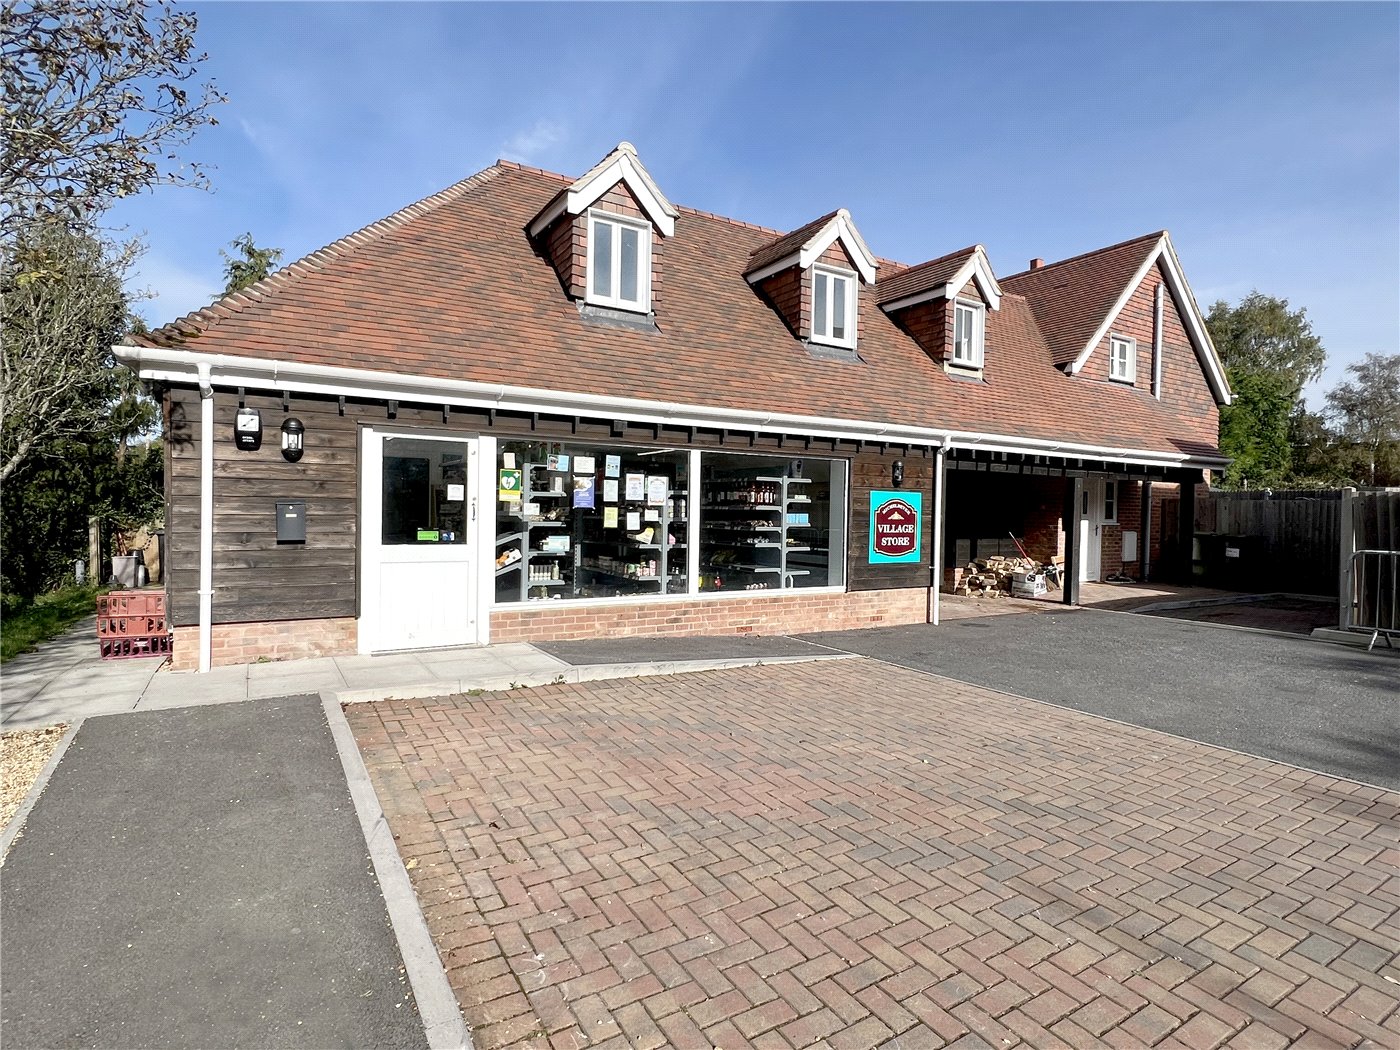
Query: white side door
1091 530
420 541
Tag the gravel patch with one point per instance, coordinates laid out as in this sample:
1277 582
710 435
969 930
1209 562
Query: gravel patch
23 753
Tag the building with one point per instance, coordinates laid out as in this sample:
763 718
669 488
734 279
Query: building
531 407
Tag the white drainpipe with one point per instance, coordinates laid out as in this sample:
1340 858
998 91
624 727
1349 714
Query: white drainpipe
206 518
936 576
1157 345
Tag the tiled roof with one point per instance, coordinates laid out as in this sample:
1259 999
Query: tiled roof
1071 298
451 287
922 277
787 244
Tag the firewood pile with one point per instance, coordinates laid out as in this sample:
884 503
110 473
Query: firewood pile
994 577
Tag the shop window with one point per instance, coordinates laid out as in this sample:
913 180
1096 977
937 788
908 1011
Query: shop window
619 263
833 307
771 523
968 333
583 521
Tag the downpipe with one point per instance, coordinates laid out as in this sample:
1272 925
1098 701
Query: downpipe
206 518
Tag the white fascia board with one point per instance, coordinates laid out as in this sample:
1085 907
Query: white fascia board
774 267
177 366
840 228
546 218
979 268
1186 307
622 167
941 292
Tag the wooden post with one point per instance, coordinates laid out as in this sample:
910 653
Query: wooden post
1186 528
1069 582
1347 546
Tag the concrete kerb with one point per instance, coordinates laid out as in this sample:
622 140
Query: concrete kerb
437 1003
16 824
1228 599
566 676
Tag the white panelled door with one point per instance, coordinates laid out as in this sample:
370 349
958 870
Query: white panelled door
1091 530
420 541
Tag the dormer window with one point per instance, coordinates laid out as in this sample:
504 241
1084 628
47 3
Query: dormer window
619 262
833 307
969 328
1122 359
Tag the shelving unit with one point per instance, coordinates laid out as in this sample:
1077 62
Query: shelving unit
608 556
752 538
522 532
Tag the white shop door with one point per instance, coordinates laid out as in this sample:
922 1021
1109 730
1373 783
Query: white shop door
1091 530
420 542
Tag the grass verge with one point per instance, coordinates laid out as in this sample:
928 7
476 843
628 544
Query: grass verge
46 617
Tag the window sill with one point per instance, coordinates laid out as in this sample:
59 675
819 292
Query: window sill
612 317
966 373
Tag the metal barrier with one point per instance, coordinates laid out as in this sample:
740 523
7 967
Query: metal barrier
1374 592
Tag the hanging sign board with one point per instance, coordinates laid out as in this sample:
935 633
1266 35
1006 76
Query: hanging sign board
896 527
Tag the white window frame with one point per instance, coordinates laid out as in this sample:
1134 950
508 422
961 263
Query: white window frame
643 262
1128 372
1110 502
979 334
827 339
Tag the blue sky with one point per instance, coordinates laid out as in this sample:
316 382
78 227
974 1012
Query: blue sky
1266 137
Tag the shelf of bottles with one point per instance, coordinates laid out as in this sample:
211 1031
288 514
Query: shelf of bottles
535 547
751 526
649 560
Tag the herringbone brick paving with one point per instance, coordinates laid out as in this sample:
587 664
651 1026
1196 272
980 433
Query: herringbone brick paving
855 855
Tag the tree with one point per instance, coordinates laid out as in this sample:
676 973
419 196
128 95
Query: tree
97 96
1366 409
62 308
1269 353
248 267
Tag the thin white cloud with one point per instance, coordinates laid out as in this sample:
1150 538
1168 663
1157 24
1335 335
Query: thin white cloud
167 291
530 145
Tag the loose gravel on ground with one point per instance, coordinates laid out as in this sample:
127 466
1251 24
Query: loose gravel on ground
23 753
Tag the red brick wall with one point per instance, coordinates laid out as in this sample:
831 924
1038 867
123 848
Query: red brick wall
1184 387
246 643
930 325
786 614
791 296
1045 511
566 243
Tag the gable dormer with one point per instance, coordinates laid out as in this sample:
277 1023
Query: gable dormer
603 235
812 278
943 305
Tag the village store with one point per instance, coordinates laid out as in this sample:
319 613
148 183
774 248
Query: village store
536 408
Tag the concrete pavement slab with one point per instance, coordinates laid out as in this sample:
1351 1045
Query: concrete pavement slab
198 878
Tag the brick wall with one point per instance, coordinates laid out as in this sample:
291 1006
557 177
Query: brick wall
246 643
1044 522
788 614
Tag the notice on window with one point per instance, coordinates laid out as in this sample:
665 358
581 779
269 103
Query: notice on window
557 461
657 487
610 490
584 491
609 517
456 493
612 466
508 486
634 520
584 465
636 488
652 515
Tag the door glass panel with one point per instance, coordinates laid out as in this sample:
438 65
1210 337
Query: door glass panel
425 492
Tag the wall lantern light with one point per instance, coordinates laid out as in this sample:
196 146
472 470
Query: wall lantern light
247 429
292 438
897 473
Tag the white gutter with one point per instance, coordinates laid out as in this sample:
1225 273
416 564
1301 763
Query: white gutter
206 514
166 365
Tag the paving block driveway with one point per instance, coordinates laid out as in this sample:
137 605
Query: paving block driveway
858 854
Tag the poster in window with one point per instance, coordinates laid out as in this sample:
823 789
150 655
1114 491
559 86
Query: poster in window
584 465
557 461
612 466
610 490
584 491
634 520
609 517
657 487
636 488
508 486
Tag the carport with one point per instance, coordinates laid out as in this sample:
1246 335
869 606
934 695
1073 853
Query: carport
1102 516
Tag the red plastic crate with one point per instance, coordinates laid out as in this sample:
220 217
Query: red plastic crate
131 603
132 647
129 626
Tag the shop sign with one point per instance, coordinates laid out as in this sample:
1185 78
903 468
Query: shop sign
508 486
896 527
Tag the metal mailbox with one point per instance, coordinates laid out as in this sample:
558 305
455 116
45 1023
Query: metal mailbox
291 521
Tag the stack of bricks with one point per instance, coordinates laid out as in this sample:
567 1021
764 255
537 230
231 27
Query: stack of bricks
131 624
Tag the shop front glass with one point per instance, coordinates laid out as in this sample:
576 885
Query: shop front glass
594 521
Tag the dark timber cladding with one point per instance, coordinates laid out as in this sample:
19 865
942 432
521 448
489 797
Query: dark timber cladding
256 579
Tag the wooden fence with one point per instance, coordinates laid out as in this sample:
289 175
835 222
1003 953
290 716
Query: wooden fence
1290 539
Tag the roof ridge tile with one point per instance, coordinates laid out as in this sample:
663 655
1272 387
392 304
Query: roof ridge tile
1085 255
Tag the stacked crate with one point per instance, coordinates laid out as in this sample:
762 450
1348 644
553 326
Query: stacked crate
131 624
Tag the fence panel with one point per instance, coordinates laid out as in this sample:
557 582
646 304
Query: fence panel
1288 540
